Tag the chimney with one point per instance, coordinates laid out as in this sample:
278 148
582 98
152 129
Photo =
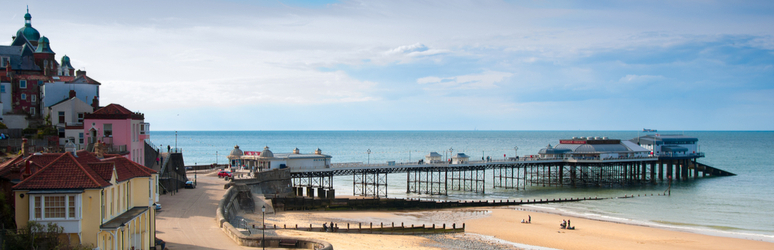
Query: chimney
24 147
72 93
95 103
80 73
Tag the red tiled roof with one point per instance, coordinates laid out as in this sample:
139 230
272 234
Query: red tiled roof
80 171
103 169
127 169
113 109
12 169
64 173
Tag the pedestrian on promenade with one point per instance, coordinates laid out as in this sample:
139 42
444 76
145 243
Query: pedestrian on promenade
530 219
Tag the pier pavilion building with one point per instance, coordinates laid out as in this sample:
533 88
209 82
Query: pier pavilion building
669 145
235 157
268 160
593 148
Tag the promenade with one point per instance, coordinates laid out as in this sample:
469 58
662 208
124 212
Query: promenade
187 219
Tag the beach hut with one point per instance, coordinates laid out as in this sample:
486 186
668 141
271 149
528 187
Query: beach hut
433 157
460 158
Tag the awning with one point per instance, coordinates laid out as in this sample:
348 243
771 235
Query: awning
122 219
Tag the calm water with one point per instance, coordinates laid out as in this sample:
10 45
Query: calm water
741 205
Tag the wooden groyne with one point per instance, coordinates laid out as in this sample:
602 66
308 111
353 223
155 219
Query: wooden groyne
378 229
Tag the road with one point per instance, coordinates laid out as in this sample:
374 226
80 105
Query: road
187 218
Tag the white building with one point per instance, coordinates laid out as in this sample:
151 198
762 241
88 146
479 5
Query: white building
593 148
268 160
67 117
86 89
5 97
669 145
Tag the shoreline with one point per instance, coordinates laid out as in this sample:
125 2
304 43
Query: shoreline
697 229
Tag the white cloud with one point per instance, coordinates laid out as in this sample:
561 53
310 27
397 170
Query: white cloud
640 78
484 80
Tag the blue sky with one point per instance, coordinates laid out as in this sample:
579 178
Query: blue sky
422 65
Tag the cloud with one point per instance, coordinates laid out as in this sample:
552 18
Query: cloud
485 80
640 78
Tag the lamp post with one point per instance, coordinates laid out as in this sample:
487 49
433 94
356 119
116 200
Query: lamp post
195 173
263 227
516 151
175 140
451 150
369 155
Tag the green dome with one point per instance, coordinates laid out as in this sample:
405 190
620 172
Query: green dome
28 31
66 61
43 46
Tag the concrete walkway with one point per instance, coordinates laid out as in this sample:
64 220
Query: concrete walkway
187 219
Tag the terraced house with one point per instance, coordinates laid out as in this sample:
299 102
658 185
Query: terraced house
101 200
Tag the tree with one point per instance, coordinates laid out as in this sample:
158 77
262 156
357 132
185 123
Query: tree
6 213
34 236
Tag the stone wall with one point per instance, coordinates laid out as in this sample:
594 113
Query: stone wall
227 209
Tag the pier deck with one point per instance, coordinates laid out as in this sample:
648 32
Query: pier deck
440 178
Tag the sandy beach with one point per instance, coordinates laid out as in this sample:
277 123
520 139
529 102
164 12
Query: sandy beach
187 222
504 223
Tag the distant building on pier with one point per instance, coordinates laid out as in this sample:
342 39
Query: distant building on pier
669 145
593 148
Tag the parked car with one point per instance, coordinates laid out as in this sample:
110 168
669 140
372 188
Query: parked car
225 173
189 184
157 206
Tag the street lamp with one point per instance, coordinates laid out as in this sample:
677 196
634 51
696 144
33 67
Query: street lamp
175 140
195 173
516 150
369 155
451 150
263 225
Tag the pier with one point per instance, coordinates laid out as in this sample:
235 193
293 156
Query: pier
440 178
575 162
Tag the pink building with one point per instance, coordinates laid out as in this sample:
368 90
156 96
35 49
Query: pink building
121 130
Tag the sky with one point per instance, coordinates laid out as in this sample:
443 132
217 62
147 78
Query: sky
421 65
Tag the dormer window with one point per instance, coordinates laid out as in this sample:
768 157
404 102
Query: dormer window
4 61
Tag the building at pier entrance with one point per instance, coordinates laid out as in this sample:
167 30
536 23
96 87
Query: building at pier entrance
669 145
268 160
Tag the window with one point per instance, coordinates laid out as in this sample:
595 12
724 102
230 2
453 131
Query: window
22 84
80 117
80 138
33 98
2 88
107 129
38 208
55 207
24 96
4 60
61 117
61 132
32 110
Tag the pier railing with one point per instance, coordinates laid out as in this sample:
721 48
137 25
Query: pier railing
491 161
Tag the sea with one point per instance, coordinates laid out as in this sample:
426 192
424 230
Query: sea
740 206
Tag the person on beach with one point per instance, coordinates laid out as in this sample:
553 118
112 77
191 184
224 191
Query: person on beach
564 224
325 227
530 219
568 223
